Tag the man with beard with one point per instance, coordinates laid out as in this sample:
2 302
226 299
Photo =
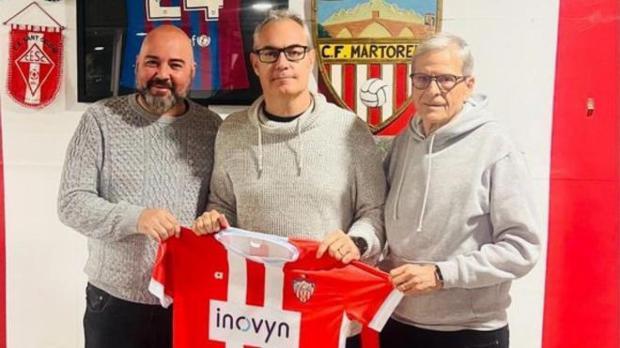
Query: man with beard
136 169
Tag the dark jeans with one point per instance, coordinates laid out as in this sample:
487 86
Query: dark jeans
354 341
399 335
110 322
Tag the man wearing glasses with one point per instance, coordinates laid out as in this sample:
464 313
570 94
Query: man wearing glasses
294 164
460 222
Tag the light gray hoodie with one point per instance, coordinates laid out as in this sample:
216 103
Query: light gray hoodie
460 199
304 178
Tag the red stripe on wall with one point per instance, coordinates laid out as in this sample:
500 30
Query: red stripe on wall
349 85
374 114
400 88
582 300
205 69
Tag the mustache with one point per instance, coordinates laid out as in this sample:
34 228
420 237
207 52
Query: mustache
157 82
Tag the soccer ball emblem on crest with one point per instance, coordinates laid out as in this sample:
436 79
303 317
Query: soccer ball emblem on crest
303 289
374 92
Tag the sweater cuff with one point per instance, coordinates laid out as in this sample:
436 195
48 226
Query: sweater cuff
450 273
129 223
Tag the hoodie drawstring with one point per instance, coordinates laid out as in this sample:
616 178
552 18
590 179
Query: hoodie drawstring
402 179
300 149
299 152
428 183
260 150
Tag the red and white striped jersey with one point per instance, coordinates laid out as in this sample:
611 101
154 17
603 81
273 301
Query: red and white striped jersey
240 288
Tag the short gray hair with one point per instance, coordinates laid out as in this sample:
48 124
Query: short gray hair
279 15
442 41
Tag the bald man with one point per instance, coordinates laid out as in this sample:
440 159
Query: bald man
137 168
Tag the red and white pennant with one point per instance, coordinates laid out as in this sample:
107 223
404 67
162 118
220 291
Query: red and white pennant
35 64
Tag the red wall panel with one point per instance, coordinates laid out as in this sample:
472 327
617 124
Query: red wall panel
582 296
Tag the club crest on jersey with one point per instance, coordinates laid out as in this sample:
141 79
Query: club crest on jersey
364 48
303 289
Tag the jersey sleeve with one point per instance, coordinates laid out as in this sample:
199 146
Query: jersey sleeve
370 297
161 284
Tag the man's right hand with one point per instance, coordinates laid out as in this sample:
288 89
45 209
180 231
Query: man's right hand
210 222
158 224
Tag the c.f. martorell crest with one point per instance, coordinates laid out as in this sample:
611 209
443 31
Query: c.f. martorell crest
364 48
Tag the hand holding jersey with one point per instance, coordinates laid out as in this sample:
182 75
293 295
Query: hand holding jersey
336 243
210 222
340 246
159 224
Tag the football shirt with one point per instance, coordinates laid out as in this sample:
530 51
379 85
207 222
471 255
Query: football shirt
238 288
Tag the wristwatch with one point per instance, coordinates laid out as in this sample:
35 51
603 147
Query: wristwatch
438 276
361 244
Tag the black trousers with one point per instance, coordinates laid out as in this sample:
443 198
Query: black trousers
398 335
110 322
354 341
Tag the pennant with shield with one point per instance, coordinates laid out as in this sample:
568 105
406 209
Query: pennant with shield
35 60
364 48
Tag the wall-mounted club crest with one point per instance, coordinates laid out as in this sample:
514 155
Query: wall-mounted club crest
364 48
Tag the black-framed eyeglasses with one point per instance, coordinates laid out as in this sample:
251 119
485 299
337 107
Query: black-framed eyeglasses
445 82
293 53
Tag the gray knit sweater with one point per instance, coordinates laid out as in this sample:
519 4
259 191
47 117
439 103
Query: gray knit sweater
304 178
120 161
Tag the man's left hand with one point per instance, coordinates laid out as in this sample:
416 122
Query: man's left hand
340 246
414 279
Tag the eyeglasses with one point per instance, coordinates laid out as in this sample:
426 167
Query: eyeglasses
445 82
293 53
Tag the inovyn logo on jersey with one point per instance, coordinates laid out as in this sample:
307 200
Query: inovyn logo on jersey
241 324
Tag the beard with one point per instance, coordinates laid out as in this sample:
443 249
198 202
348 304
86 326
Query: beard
160 104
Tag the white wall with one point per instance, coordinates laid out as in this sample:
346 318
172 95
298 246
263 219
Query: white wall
514 44
44 258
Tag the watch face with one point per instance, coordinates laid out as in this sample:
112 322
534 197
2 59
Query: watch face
361 244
